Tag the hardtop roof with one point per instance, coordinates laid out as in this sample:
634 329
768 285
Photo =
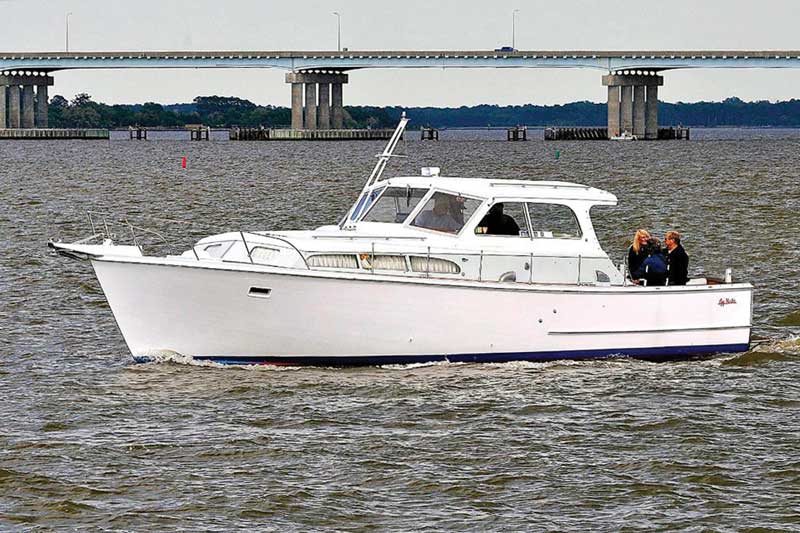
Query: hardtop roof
508 189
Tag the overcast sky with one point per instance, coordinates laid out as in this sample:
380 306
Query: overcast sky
123 25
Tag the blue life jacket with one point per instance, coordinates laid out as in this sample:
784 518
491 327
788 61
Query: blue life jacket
654 270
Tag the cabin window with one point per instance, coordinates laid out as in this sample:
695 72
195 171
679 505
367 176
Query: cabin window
383 262
553 221
333 261
395 204
504 219
446 212
433 265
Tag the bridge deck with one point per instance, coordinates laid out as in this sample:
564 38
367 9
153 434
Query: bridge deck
609 60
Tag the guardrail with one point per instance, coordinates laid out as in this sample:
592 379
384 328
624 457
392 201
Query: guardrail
107 234
373 255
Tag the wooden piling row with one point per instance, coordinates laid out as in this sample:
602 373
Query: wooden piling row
678 133
576 134
53 134
199 133
262 134
248 134
601 134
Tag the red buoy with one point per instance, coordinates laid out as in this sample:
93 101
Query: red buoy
183 162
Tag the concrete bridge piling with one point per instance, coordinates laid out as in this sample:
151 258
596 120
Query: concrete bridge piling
322 108
23 100
633 104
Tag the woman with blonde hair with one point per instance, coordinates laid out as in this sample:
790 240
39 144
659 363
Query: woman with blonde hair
637 253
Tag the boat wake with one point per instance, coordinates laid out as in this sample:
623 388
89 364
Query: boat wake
160 357
167 357
430 364
771 350
515 365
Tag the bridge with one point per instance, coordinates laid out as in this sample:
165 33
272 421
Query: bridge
317 77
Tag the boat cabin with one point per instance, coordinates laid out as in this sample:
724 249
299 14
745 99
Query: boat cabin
462 228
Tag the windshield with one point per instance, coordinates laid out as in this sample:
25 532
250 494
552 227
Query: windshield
395 204
446 212
364 202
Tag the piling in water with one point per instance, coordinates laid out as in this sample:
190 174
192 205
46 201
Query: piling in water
429 134
517 133
262 134
601 134
53 134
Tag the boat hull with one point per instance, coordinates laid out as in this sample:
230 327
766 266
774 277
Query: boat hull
245 314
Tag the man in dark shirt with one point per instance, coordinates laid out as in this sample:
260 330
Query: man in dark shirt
497 223
677 260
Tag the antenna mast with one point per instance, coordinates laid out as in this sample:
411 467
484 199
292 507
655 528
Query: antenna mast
375 177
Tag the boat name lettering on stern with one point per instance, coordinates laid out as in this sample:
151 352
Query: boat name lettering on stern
726 301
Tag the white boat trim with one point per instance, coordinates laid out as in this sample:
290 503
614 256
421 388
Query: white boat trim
635 331
376 277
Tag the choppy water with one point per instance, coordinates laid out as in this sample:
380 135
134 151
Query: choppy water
90 440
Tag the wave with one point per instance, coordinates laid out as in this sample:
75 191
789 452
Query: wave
786 346
160 357
167 357
769 350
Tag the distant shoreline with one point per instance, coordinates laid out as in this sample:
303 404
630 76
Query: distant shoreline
228 111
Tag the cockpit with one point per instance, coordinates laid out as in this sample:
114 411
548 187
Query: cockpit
449 213
443 211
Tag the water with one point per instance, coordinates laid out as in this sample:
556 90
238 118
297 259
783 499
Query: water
88 439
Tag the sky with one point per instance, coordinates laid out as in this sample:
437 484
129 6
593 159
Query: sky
166 25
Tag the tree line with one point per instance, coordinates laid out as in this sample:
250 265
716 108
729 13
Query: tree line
229 111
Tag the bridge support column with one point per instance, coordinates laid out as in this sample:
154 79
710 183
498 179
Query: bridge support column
337 112
633 104
41 106
297 106
638 110
613 110
28 115
21 107
3 112
324 117
626 109
310 115
13 106
314 115
651 122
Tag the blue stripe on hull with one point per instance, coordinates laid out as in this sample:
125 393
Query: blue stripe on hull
652 354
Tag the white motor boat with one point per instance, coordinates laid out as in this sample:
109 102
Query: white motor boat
422 268
624 136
